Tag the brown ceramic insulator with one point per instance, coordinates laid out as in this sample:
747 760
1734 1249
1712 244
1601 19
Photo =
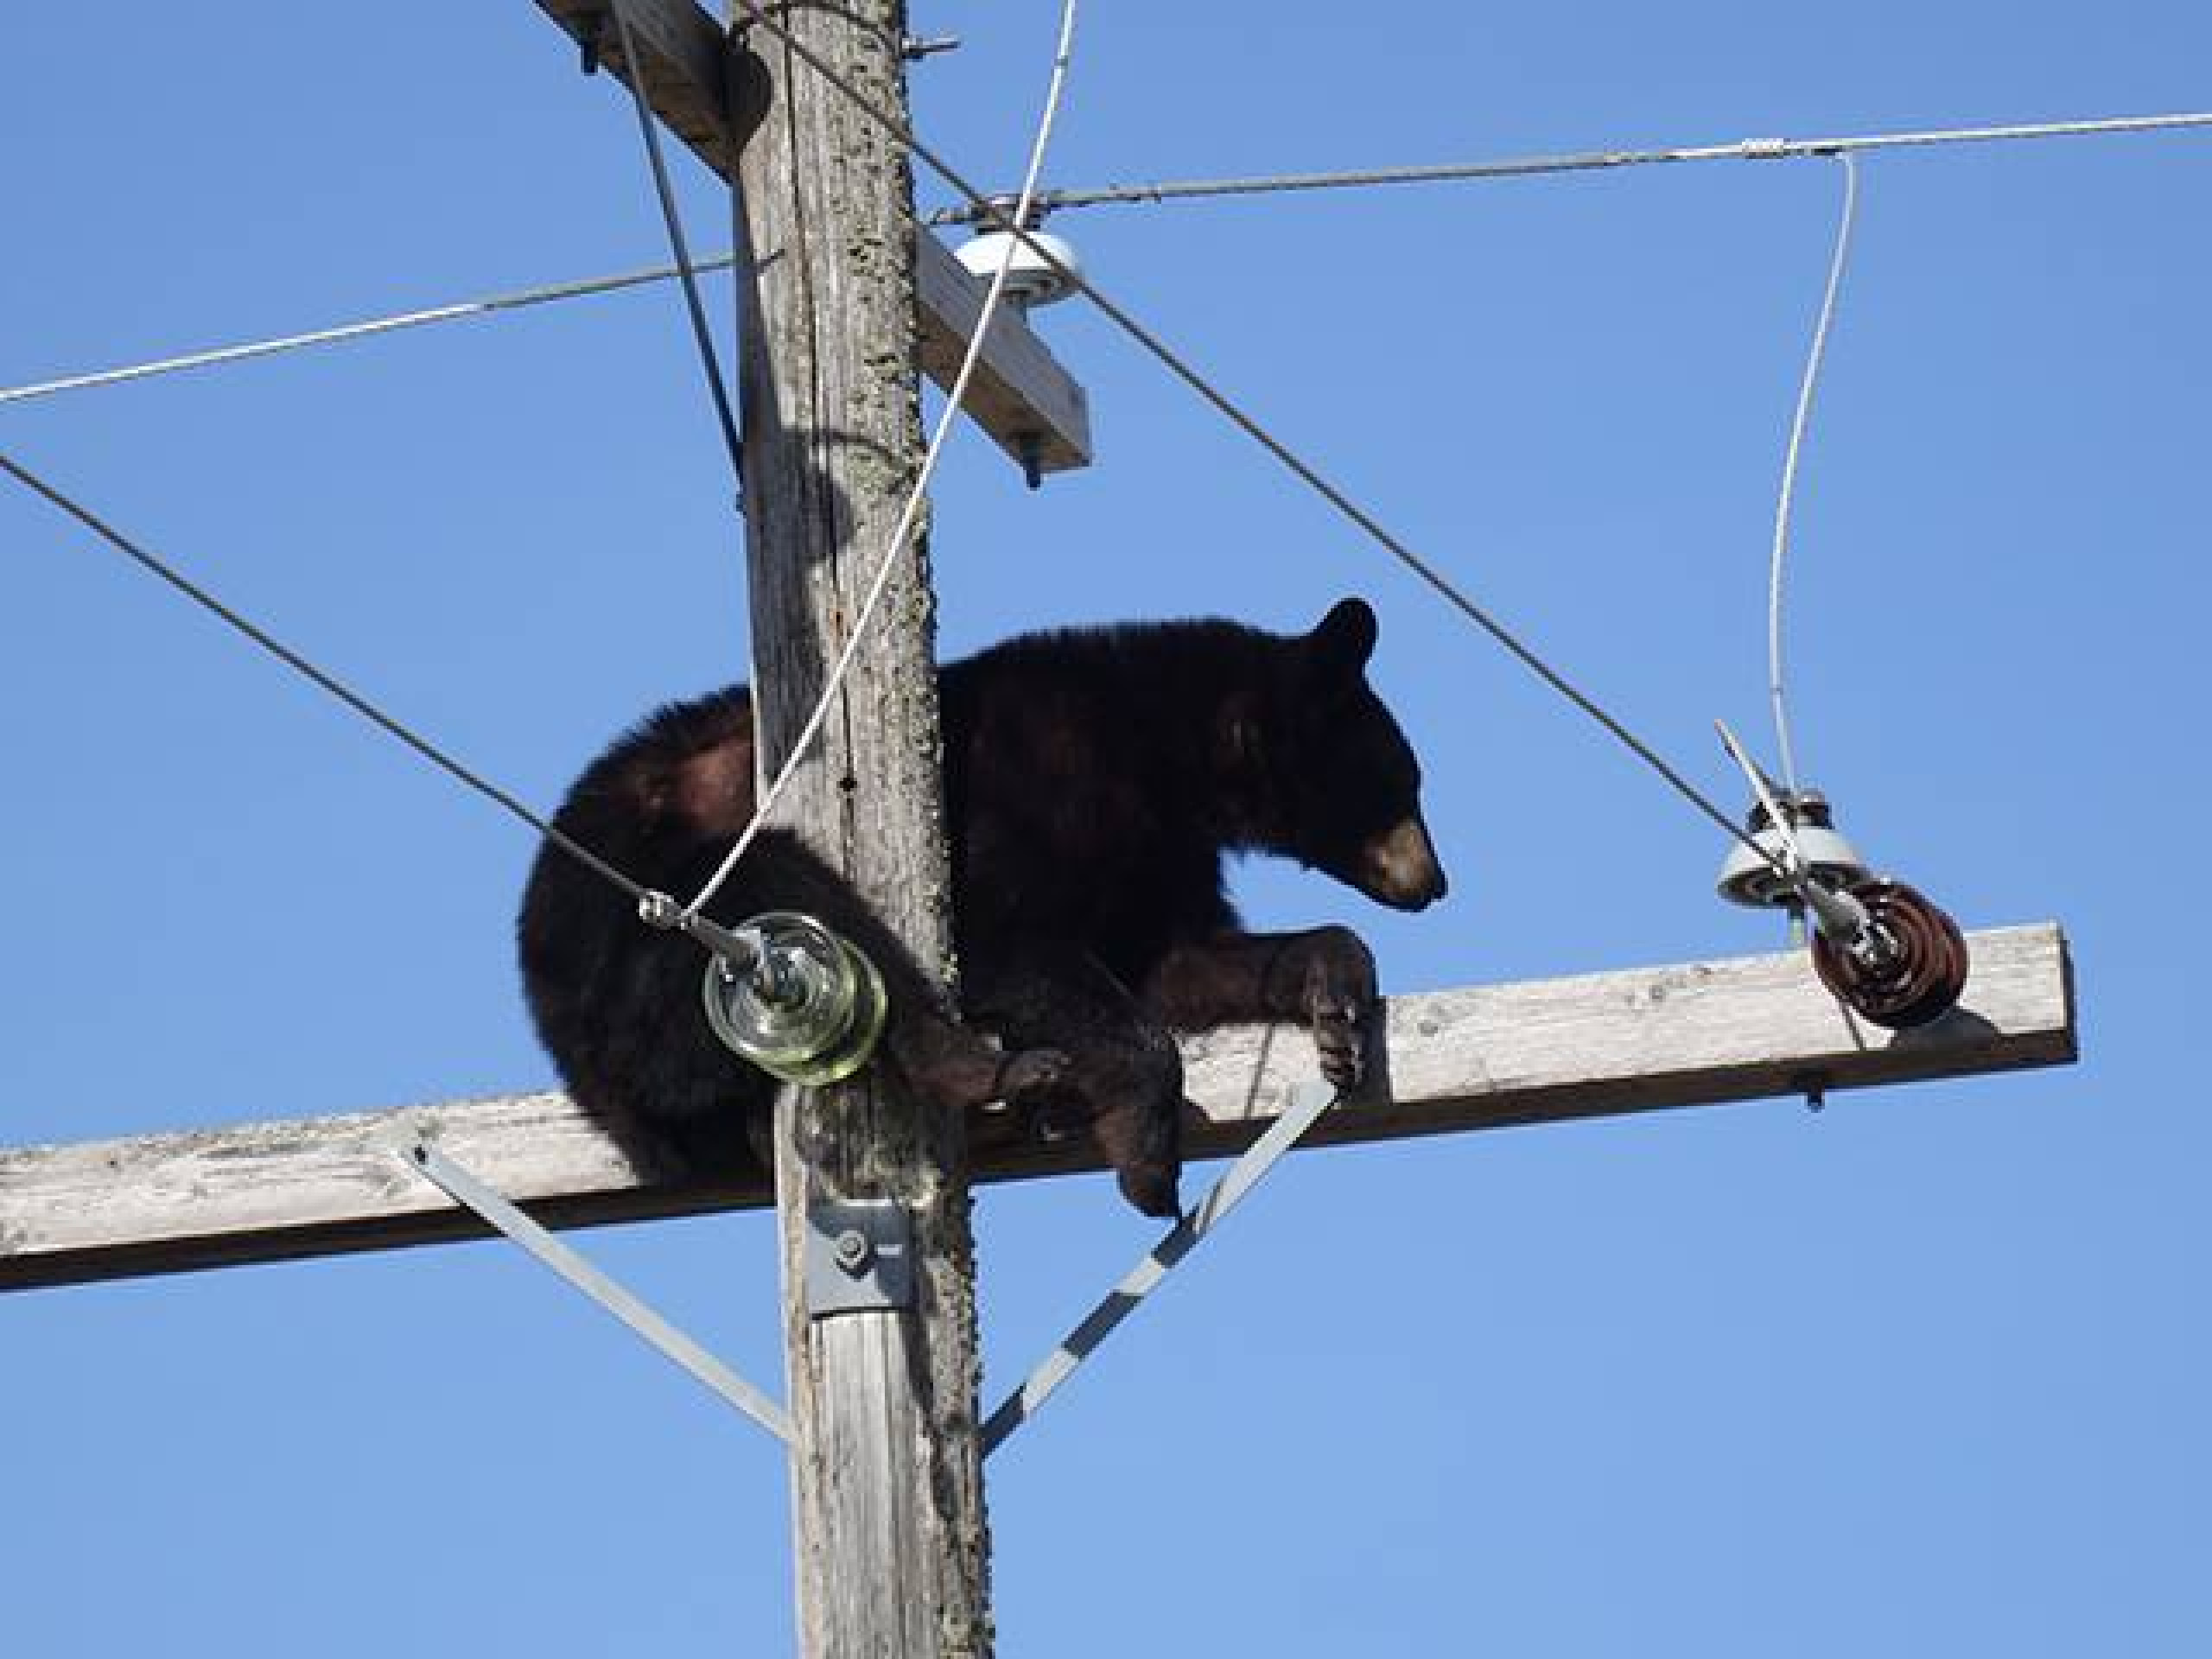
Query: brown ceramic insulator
1922 975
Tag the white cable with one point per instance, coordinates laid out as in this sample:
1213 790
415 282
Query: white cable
1798 422
905 527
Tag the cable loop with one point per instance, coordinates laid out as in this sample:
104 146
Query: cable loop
1816 358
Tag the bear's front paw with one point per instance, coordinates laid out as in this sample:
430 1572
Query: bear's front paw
1340 1040
1031 1071
1340 999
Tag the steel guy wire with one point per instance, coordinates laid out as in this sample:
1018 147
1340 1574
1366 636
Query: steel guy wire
999 216
516 300
1748 149
1838 261
301 666
903 527
649 124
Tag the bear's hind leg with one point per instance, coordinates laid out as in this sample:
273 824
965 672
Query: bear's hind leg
1123 1077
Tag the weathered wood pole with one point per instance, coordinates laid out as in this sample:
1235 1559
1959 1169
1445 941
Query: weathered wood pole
889 1534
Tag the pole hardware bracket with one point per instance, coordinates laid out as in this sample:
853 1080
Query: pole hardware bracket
494 1210
860 1255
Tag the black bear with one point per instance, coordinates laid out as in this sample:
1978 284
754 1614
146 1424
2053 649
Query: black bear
1094 779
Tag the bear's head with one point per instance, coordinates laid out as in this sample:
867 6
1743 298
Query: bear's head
1353 786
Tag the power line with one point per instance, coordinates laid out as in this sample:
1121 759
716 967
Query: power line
982 209
299 664
1593 161
655 907
979 211
999 215
459 310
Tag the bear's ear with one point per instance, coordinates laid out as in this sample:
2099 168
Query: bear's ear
1345 639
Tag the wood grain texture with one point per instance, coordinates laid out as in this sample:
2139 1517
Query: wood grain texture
1019 392
681 55
889 1545
1020 395
1485 1058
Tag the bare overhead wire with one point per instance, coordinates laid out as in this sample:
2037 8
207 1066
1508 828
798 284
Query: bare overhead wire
981 208
1846 217
330 683
710 364
1002 217
550 293
1590 161
459 310
652 904
904 528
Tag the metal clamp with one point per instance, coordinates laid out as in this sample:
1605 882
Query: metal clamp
860 1255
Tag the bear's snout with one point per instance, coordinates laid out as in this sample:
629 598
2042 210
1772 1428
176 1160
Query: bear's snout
1400 867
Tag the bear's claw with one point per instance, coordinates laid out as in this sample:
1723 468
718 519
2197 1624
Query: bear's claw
1340 1038
1030 1071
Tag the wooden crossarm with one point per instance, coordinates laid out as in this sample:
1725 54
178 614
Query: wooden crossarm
1484 1058
1030 406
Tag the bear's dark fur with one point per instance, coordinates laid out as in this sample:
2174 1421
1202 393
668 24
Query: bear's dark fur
1093 781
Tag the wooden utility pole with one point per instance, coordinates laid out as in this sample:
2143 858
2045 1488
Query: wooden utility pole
887 1473
844 299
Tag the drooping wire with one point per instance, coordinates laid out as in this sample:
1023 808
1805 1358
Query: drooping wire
1818 354
1748 149
710 364
299 664
904 528
1000 217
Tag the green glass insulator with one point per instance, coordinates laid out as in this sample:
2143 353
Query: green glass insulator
808 1010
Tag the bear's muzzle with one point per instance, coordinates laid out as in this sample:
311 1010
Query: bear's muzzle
1398 868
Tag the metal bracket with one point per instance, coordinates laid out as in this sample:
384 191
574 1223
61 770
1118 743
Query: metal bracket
1307 1101
860 1255
464 1189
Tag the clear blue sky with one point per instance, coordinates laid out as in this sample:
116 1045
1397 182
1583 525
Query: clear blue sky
1923 1375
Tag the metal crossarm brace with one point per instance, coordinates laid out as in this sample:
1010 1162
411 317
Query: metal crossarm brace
1308 1101
469 1192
